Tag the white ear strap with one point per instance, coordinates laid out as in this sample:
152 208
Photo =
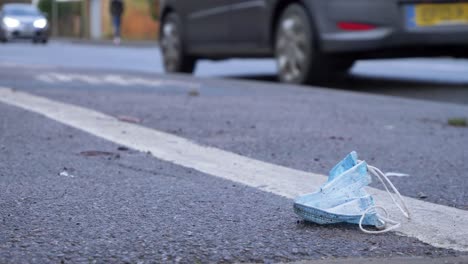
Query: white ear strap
401 204
394 224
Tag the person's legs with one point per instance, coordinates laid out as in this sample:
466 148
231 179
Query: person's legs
116 21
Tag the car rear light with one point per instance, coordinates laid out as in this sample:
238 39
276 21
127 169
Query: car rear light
352 26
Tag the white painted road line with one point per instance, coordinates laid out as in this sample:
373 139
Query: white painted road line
62 77
112 79
438 225
45 78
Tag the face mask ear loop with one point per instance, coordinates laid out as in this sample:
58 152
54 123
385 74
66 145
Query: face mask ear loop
394 223
380 175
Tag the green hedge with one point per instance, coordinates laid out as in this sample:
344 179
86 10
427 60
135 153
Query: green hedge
154 8
64 9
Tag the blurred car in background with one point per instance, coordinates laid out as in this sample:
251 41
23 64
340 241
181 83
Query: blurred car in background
310 38
23 21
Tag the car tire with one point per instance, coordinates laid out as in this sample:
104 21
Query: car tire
298 57
175 58
3 38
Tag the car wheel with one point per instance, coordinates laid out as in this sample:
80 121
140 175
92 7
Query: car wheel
298 58
294 47
172 47
3 37
44 41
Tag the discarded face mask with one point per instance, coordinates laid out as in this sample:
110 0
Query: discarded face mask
343 199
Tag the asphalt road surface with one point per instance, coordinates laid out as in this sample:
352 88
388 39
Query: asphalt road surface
441 79
75 190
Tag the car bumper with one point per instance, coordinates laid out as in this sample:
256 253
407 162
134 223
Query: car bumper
23 33
393 33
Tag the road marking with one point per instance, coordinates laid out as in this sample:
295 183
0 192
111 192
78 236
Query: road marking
438 225
116 79
112 79
88 79
45 78
146 82
62 77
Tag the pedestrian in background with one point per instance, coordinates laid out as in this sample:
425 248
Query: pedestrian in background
116 9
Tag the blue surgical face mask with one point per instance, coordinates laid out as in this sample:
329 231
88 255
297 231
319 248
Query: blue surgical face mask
343 199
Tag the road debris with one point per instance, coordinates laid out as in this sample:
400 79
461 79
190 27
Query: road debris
458 122
422 195
122 148
129 119
66 172
343 198
194 93
396 174
94 153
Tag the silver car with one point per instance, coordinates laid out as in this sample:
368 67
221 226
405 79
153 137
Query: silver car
310 38
23 21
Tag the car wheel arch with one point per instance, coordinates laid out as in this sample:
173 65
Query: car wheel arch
278 10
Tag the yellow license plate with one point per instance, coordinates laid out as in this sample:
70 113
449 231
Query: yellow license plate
440 14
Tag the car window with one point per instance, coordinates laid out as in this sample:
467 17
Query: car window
21 11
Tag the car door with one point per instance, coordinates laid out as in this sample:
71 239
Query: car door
248 22
206 22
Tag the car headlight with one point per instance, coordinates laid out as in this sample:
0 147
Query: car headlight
11 22
40 23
